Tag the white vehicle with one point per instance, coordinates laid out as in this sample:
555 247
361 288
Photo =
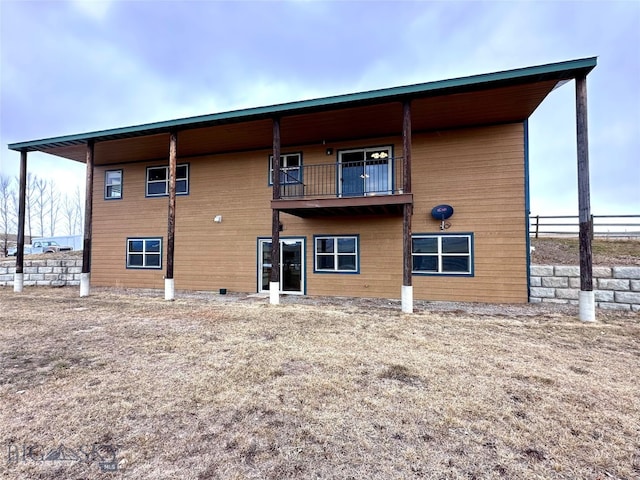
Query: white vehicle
48 246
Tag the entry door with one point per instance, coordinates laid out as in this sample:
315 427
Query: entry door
291 265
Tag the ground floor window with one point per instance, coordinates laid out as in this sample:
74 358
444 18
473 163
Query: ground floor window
144 253
337 254
442 254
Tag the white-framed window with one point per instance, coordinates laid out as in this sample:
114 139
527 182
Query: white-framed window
158 180
336 253
113 184
144 253
290 169
444 254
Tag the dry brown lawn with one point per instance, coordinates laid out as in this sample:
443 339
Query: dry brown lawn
212 387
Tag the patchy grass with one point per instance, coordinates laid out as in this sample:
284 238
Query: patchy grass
207 389
566 251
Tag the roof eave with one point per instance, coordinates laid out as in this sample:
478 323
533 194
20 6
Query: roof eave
561 71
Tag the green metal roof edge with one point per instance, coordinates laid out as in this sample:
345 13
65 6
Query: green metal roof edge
507 76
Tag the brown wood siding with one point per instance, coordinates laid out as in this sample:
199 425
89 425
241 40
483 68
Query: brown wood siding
479 171
115 220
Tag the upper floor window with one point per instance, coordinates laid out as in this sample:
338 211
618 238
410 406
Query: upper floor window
158 180
290 168
112 184
446 254
337 254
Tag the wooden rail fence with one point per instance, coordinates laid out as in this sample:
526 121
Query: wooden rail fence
603 225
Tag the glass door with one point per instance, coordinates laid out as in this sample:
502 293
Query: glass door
365 172
291 265
352 173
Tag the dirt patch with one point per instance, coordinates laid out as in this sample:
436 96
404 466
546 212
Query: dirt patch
566 251
213 386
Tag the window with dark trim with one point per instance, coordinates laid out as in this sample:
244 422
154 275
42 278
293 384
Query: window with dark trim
113 184
157 184
144 253
446 254
290 169
337 254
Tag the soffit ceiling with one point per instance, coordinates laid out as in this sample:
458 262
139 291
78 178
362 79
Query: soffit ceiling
512 103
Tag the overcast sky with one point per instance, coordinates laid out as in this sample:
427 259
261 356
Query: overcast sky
78 66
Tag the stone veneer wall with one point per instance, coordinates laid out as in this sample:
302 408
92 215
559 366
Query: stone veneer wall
43 272
614 287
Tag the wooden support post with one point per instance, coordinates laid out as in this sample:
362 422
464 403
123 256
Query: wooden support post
85 277
274 279
169 286
406 145
18 279
586 298
407 286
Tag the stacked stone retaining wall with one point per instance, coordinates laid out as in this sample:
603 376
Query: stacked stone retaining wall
43 272
614 287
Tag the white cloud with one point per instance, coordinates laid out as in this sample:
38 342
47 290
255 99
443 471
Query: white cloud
94 9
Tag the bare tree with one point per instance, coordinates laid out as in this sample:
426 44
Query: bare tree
39 204
72 210
78 199
53 199
69 214
29 202
7 218
45 207
15 205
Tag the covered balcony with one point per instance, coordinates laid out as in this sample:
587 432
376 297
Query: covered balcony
360 182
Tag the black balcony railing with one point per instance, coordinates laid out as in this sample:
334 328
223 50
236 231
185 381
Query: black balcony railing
343 179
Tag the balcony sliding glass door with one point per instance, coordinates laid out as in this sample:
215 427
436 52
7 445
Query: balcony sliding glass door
365 171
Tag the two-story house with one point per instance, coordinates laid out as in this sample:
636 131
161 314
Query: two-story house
332 196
